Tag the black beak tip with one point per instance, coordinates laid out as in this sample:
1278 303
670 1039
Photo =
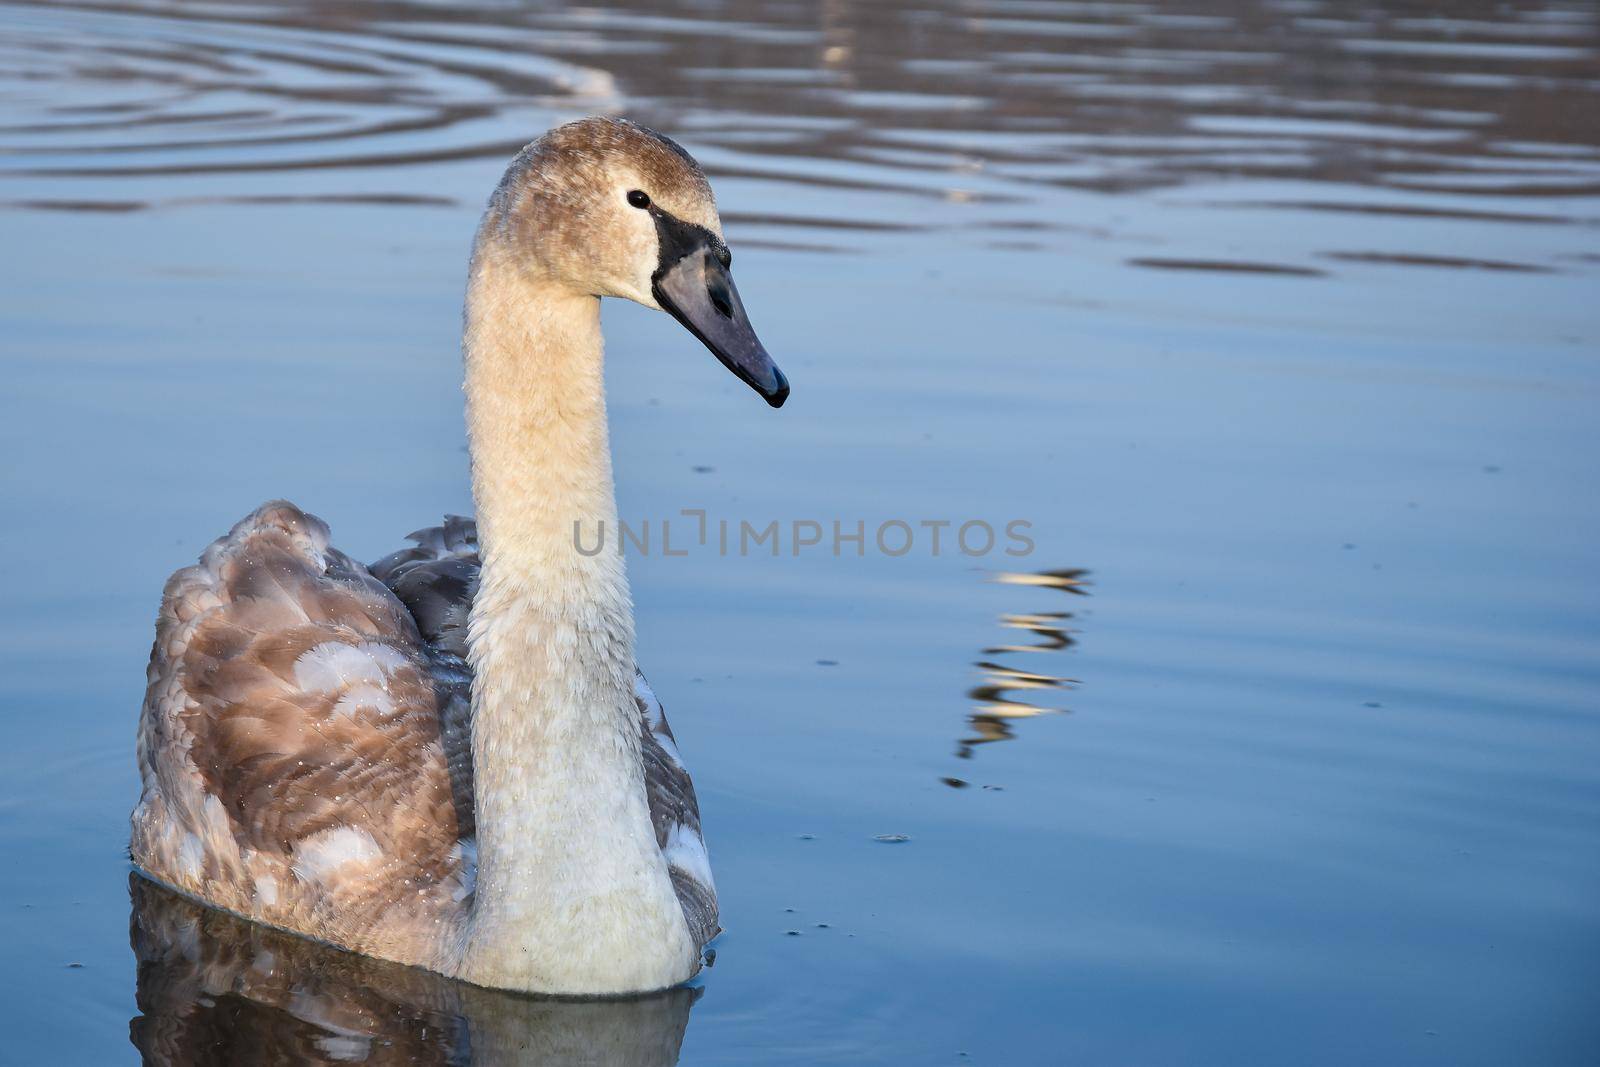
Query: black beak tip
779 392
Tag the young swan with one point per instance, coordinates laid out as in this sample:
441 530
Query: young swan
449 759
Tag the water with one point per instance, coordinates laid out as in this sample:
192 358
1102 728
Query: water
1276 322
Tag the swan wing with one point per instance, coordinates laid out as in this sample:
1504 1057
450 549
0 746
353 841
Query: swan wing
291 745
675 812
436 579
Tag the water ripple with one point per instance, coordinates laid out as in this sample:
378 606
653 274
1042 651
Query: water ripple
988 102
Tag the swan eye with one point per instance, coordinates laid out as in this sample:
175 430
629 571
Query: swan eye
639 198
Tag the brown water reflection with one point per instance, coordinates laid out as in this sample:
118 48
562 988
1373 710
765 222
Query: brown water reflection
214 989
986 100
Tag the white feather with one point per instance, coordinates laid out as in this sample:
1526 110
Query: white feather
334 665
319 857
686 850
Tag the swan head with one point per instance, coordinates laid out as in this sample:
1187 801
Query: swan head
606 207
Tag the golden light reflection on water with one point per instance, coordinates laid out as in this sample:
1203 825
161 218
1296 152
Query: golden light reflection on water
1009 692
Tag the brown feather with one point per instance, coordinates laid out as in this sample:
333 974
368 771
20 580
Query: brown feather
245 764
298 701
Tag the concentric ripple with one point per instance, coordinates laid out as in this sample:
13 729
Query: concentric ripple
129 91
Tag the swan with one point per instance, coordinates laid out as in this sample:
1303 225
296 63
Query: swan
449 759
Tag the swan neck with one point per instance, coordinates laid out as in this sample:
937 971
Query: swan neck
572 893
536 421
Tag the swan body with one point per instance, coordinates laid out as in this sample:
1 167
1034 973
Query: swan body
449 759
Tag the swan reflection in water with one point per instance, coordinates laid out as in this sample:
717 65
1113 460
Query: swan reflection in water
215 989
996 706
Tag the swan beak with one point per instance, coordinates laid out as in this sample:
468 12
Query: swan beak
696 288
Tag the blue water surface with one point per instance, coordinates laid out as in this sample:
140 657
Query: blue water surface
1274 323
